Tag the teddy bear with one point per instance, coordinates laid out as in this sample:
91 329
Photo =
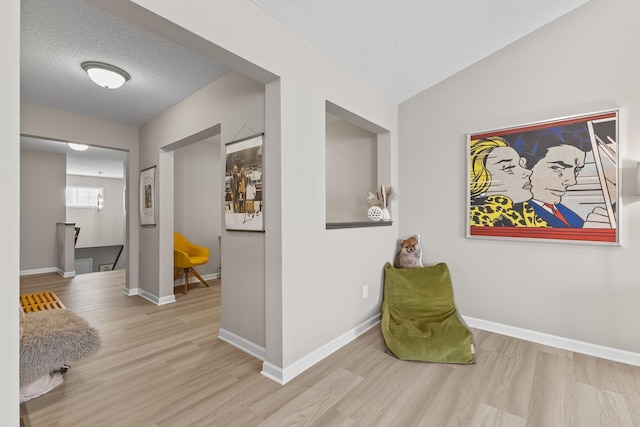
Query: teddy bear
410 253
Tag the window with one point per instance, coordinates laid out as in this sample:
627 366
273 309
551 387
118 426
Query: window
83 197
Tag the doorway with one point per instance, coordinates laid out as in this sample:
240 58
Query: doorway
197 200
86 188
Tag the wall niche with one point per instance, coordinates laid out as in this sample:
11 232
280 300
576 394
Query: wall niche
357 162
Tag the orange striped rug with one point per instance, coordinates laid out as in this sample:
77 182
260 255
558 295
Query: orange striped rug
39 301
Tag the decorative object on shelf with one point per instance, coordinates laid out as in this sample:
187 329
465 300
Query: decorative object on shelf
386 216
375 213
381 199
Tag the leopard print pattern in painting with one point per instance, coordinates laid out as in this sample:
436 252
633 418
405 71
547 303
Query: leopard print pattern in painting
499 211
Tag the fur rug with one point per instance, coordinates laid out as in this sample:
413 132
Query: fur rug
52 339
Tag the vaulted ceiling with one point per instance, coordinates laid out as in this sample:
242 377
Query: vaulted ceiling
404 47
400 48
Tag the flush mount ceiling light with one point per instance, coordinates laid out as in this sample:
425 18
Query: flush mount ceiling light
105 75
78 147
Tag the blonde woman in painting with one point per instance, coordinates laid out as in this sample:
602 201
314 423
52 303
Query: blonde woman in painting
500 186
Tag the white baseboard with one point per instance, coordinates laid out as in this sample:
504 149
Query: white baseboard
582 347
273 372
243 344
284 375
206 277
130 291
150 297
166 300
39 271
67 274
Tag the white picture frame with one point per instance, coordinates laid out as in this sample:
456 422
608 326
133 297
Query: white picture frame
243 184
148 196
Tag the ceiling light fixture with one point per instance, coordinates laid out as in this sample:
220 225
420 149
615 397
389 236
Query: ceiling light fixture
105 75
78 147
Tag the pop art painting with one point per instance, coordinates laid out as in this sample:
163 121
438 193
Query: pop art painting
555 180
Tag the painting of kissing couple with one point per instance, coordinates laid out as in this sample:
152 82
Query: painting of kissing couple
554 180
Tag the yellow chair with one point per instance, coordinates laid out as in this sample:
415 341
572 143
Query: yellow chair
185 257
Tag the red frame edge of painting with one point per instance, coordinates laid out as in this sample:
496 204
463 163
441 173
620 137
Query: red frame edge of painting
554 180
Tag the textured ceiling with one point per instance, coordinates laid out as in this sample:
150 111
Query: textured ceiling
403 47
56 36
399 47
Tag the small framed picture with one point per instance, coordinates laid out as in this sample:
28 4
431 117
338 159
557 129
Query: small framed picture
147 196
243 188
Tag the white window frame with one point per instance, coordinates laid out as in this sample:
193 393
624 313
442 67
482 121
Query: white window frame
82 197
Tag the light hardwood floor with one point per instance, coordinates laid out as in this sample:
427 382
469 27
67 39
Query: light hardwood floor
164 366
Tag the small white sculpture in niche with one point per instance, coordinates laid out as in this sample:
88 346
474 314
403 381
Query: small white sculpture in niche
380 200
375 213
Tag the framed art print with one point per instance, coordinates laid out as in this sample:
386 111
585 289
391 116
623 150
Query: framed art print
555 180
244 199
147 196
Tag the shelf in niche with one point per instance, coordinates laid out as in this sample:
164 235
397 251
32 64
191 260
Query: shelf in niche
357 224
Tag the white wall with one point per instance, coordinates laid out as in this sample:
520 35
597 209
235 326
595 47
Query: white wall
104 228
582 62
314 294
60 125
352 171
235 104
197 197
42 206
10 207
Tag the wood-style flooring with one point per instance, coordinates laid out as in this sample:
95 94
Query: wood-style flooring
164 366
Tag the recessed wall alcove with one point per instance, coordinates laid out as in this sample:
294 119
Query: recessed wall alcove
357 162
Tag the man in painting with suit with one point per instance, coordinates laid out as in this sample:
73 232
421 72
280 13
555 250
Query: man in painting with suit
556 156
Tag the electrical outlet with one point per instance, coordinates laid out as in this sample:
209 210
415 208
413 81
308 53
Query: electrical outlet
365 291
